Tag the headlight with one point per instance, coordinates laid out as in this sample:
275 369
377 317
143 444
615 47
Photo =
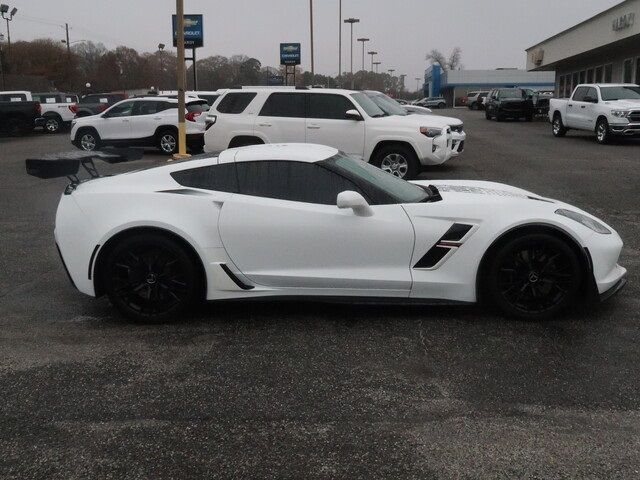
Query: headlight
431 132
620 113
584 220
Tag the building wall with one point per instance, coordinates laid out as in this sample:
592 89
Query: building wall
497 78
586 36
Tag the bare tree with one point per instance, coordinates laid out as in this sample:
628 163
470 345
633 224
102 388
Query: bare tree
446 63
453 62
436 56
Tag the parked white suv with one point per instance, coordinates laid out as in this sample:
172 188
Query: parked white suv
347 120
605 109
141 122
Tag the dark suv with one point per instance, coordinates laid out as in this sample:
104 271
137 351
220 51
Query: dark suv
505 103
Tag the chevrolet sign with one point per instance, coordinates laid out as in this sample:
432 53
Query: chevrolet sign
289 54
625 21
193 33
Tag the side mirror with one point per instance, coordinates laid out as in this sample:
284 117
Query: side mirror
353 115
355 201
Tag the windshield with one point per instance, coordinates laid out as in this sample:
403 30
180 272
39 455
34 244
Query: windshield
368 105
363 172
510 93
387 104
619 93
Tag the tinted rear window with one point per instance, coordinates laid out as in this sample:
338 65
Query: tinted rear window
235 102
221 178
284 105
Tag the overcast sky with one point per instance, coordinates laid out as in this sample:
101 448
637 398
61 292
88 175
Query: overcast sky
491 33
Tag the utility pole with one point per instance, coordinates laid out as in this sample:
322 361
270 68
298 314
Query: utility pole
372 53
418 84
182 129
351 21
66 29
377 64
339 38
363 40
311 28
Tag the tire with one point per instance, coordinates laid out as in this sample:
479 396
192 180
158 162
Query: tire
167 141
151 278
534 276
486 115
603 134
88 140
442 105
557 126
52 124
398 160
499 117
529 118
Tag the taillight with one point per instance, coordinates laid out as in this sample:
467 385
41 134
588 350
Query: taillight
38 108
191 116
74 108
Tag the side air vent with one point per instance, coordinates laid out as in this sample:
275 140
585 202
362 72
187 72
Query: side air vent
432 257
456 232
451 240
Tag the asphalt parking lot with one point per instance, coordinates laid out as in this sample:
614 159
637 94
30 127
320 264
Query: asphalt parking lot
307 390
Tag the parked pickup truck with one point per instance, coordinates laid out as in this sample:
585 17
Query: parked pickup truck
18 113
605 109
57 109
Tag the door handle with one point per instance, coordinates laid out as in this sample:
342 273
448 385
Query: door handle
157 118
313 127
583 106
570 105
125 120
264 124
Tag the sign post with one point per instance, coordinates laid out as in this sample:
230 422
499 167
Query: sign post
290 57
178 41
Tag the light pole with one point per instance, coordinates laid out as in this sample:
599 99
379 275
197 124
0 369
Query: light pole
339 38
402 77
181 80
160 51
377 64
372 53
363 40
418 84
4 87
351 21
311 30
391 70
8 16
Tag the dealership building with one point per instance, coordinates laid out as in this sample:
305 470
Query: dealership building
602 49
454 85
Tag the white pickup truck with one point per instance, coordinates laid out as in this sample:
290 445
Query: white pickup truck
606 109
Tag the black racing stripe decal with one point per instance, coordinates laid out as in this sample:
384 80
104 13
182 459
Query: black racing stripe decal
450 240
235 279
432 257
456 232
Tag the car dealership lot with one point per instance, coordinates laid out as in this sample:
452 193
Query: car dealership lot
273 390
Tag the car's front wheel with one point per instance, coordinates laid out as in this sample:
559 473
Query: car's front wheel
88 140
151 278
52 124
534 276
602 131
398 160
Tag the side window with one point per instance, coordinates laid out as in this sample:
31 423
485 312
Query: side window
125 109
221 178
293 181
329 106
284 105
148 107
591 92
579 94
235 102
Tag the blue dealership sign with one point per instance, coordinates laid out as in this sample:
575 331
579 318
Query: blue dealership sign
289 54
193 32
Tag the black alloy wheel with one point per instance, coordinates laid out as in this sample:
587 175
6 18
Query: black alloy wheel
151 278
535 276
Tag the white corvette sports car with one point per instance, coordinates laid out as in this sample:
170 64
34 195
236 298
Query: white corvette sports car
300 220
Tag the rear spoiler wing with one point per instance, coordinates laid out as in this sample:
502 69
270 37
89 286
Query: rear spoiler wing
68 164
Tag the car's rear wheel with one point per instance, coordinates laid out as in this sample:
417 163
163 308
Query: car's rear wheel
486 115
167 142
442 105
88 140
557 126
151 278
602 131
52 124
398 160
534 276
